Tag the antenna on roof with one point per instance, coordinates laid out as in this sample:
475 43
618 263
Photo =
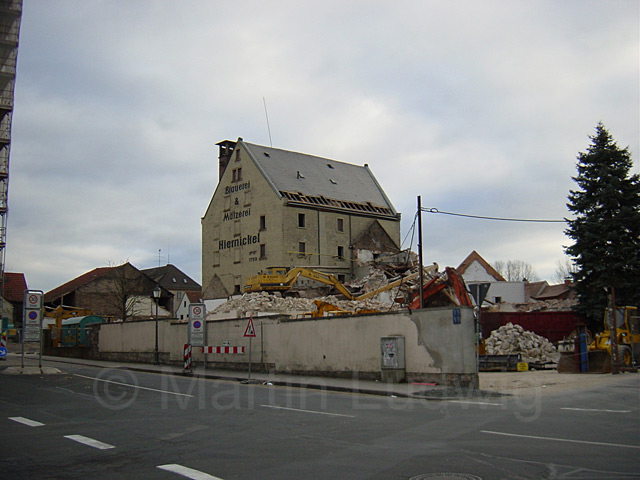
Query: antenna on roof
159 250
267 117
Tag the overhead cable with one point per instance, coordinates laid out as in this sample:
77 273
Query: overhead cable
481 217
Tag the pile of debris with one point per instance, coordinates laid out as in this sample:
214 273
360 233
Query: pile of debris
268 303
513 339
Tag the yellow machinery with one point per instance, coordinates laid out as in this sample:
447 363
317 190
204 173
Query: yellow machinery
282 279
627 332
585 353
60 313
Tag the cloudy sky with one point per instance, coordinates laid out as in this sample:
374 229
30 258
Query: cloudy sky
479 107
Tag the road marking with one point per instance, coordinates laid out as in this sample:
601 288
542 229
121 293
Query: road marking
567 440
595 410
187 472
475 403
308 411
26 421
89 441
135 386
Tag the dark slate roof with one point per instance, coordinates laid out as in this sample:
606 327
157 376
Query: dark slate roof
172 278
14 286
320 181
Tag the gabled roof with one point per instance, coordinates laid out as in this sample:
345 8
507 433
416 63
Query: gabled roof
549 292
320 182
475 257
76 283
14 286
172 278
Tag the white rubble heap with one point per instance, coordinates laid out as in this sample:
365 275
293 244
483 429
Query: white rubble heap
513 339
264 302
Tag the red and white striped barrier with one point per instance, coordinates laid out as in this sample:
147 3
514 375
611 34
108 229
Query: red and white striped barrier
187 357
223 349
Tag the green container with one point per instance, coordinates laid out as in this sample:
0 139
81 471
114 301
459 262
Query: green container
75 331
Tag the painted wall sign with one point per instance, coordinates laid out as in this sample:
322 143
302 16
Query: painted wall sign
236 215
239 242
237 187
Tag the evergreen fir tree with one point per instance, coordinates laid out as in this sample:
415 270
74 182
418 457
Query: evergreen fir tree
606 228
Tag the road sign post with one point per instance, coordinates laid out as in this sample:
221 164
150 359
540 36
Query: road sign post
198 327
250 332
32 320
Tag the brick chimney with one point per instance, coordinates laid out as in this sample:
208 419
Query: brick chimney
224 156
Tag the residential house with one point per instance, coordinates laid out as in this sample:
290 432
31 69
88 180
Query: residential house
185 290
13 299
115 293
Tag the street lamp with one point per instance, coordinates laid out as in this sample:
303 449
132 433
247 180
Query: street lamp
156 295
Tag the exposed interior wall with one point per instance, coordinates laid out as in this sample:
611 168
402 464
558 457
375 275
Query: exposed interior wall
439 344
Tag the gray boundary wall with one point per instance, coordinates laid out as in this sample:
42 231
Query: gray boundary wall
439 344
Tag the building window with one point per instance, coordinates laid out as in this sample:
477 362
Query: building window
342 278
301 220
216 259
236 255
236 175
237 155
263 222
340 252
263 251
236 289
302 248
236 228
340 224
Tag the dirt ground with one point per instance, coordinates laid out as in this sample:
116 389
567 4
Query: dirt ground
545 381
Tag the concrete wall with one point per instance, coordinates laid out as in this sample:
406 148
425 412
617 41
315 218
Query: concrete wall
439 344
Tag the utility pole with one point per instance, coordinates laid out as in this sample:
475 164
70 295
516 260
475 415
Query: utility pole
613 336
420 292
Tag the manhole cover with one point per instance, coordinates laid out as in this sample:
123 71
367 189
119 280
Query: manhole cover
446 476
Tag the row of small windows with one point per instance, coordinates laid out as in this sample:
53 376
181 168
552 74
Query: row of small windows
302 250
302 222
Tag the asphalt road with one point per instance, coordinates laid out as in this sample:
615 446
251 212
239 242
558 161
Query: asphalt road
116 424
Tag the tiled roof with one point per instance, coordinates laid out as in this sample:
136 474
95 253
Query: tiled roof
76 283
475 256
14 286
171 278
321 182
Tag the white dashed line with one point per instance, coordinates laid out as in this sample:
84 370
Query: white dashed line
26 421
475 403
308 411
595 410
135 386
89 441
187 472
568 440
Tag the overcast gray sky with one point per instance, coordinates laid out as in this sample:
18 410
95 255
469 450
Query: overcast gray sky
480 107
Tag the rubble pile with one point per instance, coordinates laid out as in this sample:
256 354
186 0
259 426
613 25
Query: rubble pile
265 302
513 339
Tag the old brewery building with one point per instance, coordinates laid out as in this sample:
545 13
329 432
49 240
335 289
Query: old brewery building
275 207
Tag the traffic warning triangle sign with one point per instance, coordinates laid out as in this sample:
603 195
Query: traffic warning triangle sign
250 331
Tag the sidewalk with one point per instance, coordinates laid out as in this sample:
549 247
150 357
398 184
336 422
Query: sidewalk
492 384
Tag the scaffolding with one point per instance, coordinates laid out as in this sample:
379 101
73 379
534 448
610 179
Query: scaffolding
10 19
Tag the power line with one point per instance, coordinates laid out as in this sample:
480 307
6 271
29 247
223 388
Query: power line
482 217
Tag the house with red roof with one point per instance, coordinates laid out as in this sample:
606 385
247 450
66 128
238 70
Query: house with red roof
13 296
116 293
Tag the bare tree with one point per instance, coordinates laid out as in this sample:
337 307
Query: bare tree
564 270
125 292
515 270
